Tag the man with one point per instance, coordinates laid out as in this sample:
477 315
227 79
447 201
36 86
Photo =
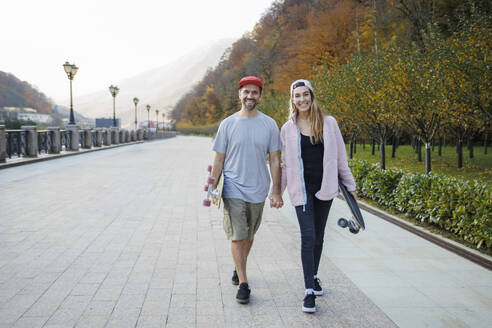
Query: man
241 146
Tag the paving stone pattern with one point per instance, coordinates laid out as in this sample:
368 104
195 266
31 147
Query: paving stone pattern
119 239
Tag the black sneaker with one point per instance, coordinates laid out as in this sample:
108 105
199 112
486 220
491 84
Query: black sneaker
318 291
235 278
243 293
309 304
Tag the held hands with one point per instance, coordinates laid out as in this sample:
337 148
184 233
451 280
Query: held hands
276 200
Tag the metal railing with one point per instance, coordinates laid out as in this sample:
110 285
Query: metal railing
16 143
44 142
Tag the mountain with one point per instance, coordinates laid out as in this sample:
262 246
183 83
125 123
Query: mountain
161 87
17 93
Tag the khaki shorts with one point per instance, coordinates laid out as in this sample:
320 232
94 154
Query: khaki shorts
241 219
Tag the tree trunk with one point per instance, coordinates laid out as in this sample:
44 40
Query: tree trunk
459 150
379 146
470 147
414 145
355 146
485 144
363 144
373 146
427 158
393 147
351 149
432 143
439 147
419 150
383 155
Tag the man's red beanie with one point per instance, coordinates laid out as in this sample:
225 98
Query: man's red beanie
250 80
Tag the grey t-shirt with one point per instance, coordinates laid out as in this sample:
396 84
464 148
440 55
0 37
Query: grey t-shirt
246 143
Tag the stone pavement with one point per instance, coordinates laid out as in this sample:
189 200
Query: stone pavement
120 239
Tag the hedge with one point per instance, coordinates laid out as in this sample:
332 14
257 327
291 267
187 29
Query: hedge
461 207
187 128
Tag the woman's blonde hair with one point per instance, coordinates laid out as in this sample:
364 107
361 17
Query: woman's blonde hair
315 117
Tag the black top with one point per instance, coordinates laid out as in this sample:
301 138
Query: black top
312 159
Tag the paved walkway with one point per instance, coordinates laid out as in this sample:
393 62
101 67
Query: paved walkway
119 239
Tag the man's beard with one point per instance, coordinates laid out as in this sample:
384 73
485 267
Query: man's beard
250 106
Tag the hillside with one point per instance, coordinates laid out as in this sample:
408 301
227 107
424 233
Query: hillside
17 93
160 87
311 38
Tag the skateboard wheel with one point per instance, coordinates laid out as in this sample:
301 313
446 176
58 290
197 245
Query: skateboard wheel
342 223
207 202
205 188
210 180
209 168
353 227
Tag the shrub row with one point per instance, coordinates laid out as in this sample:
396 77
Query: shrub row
461 207
187 128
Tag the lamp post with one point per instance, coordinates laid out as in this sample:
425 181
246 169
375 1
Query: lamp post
163 118
157 120
135 101
113 89
148 116
71 70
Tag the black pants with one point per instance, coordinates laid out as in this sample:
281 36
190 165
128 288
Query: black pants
312 221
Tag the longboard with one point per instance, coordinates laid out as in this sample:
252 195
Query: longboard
215 194
357 221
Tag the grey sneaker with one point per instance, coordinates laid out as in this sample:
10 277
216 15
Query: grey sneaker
318 291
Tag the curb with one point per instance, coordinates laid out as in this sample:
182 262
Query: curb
25 161
474 256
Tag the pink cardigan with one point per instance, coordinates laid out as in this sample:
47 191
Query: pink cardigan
335 162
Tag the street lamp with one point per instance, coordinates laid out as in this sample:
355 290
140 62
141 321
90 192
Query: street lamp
135 101
157 119
71 70
113 89
148 116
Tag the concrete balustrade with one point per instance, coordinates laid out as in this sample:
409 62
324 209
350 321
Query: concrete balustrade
99 137
115 136
31 140
103 137
140 134
87 139
3 144
107 137
74 136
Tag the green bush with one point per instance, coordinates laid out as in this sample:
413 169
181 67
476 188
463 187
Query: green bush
461 207
188 128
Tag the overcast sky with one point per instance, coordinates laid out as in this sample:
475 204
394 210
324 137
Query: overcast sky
110 40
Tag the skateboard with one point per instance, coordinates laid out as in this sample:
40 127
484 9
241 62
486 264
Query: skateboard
357 221
215 194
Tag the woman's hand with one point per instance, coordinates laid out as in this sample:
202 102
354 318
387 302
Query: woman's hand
353 193
276 200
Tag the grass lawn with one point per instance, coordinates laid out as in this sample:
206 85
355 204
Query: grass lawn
479 167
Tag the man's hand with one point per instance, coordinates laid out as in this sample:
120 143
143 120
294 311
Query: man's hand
354 194
276 201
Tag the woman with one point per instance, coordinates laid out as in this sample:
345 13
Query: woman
314 158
